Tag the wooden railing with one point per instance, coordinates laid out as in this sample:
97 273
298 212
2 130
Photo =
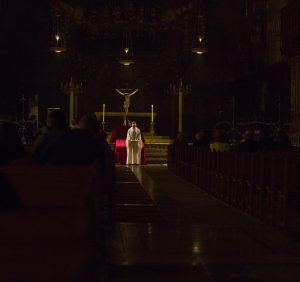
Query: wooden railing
265 185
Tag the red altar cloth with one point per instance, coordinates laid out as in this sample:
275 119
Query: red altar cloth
118 137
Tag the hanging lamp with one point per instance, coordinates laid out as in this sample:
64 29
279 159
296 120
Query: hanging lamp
57 38
199 47
126 54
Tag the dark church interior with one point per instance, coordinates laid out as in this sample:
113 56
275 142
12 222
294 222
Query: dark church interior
150 141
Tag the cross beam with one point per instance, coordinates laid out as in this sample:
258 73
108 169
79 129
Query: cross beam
122 114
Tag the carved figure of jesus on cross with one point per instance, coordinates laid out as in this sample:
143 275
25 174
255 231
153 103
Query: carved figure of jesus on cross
126 93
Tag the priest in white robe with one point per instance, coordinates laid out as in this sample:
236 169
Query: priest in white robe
133 144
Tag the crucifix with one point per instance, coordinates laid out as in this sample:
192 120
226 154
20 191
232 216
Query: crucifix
126 93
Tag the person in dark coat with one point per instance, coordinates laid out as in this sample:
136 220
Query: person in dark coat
200 139
9 199
63 146
281 140
249 144
11 147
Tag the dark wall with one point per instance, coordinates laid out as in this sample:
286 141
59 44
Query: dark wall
162 53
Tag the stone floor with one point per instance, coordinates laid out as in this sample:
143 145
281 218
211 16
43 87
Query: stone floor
166 229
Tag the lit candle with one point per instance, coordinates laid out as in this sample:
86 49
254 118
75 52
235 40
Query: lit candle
152 117
103 113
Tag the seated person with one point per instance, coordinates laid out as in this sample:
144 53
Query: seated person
249 144
55 128
220 143
11 147
281 140
265 141
80 146
73 147
180 139
200 139
9 199
110 169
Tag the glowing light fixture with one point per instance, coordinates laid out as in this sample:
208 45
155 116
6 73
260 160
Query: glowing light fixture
199 47
57 39
126 55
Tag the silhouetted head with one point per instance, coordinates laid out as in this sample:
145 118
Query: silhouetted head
57 119
133 124
199 136
248 134
90 123
281 139
220 136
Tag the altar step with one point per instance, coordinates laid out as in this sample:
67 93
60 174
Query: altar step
156 153
157 139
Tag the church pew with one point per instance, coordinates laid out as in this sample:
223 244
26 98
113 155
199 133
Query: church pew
250 183
51 185
53 235
260 184
179 159
222 176
218 173
203 169
276 167
171 157
213 173
228 172
209 171
195 165
288 196
188 162
45 244
234 183
242 162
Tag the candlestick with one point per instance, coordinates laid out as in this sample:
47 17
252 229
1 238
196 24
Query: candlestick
103 113
152 117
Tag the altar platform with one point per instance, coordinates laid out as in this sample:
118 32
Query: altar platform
156 148
157 139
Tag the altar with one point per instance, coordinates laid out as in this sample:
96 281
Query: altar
104 118
156 147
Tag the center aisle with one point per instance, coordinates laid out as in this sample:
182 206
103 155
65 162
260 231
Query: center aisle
167 229
138 242
132 203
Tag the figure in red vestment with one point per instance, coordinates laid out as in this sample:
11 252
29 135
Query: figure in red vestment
118 137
